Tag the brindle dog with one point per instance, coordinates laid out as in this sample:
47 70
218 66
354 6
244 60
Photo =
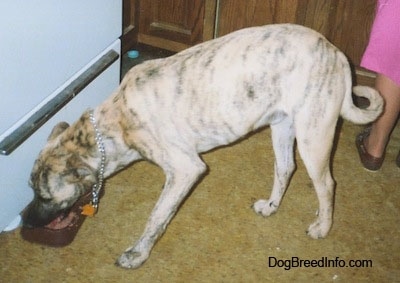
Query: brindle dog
170 110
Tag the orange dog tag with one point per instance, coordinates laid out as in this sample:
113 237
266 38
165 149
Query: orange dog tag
88 210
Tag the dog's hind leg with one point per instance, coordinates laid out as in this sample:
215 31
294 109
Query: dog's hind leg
283 142
314 143
182 171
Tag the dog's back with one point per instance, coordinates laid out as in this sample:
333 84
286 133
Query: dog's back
225 88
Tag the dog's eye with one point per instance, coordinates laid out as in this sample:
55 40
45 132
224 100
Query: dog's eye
43 199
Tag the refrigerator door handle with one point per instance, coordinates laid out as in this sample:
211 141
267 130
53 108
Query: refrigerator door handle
23 132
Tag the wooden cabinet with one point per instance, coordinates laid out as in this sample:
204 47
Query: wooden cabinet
175 24
129 24
346 23
233 14
179 24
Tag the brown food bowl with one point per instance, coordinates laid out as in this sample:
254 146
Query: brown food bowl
62 230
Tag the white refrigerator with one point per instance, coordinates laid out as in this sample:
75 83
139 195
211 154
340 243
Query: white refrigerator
57 58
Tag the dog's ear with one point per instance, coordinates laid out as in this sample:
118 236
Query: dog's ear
78 174
58 129
78 170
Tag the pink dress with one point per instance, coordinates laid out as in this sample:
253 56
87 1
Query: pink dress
383 51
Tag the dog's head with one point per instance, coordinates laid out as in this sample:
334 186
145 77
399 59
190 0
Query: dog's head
59 176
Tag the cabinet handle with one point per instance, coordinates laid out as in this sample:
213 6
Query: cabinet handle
23 132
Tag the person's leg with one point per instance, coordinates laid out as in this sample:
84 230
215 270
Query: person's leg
378 138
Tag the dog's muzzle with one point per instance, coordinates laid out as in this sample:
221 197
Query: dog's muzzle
38 214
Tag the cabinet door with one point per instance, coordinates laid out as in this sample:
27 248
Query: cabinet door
235 14
346 23
173 24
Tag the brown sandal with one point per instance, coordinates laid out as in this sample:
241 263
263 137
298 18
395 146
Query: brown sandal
369 162
62 230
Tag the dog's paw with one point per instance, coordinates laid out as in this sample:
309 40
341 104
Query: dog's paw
265 207
131 259
318 229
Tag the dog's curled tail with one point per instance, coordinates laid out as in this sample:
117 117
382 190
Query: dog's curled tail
362 116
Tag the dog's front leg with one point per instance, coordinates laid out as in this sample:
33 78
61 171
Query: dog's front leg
180 177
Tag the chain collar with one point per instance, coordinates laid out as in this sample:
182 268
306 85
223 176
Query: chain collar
100 146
